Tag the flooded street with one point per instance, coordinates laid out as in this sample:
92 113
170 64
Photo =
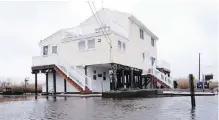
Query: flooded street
96 108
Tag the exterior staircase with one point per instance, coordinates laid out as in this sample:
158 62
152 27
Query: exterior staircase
68 71
161 78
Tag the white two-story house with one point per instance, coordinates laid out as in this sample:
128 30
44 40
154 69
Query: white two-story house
110 50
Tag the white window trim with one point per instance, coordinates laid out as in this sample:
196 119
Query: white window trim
56 51
43 51
86 44
121 49
154 42
141 34
85 48
143 58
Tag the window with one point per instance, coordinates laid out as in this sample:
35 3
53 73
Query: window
104 75
45 50
152 61
141 34
81 45
124 47
119 45
143 56
94 75
152 42
91 43
54 50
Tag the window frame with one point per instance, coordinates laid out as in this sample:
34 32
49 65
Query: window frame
47 50
84 45
124 47
143 56
94 75
152 42
119 46
141 33
152 60
56 49
90 39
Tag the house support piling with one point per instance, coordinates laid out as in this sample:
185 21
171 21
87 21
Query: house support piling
54 82
47 85
35 84
65 89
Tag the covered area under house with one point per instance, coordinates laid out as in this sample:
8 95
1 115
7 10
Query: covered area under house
118 76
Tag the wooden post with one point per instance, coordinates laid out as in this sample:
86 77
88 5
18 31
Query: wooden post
114 76
131 78
140 82
65 88
47 85
54 82
35 83
118 77
85 74
123 78
192 91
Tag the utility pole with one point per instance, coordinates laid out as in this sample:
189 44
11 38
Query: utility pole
203 83
199 68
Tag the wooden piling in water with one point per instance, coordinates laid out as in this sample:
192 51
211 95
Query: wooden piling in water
192 89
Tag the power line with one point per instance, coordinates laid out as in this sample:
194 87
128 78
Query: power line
105 31
108 39
98 22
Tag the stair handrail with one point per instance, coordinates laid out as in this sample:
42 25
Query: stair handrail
162 77
87 78
77 77
62 64
83 79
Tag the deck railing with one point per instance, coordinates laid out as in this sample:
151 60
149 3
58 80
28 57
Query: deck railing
162 77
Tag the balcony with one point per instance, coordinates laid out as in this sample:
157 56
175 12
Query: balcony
44 60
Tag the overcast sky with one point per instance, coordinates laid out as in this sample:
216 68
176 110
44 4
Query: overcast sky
184 28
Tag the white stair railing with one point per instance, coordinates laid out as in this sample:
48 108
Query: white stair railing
75 74
162 77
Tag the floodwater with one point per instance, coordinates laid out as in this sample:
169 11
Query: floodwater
96 108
